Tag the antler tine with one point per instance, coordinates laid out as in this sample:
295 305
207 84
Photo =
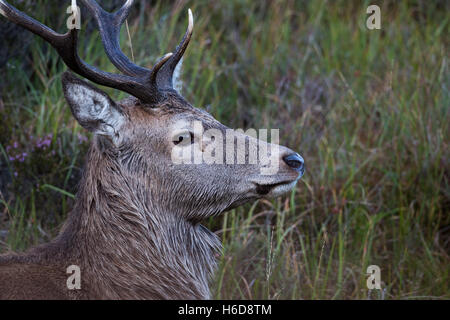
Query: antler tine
158 66
123 12
18 17
109 25
165 75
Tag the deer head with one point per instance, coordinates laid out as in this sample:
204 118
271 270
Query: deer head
142 131
152 140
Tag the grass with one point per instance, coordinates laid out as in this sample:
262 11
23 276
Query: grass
368 110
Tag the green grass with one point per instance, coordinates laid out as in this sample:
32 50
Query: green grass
368 110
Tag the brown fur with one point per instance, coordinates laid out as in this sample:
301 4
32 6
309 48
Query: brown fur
134 231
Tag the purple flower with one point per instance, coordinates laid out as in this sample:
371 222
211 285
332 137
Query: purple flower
82 138
44 143
22 157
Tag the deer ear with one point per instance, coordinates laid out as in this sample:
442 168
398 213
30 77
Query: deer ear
93 108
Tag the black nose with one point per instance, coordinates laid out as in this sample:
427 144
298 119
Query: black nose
295 161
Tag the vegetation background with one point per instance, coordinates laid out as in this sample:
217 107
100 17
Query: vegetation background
368 110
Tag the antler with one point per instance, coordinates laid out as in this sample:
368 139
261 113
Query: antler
145 84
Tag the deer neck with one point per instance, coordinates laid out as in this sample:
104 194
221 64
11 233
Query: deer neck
130 245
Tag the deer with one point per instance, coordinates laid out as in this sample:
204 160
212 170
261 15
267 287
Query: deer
135 230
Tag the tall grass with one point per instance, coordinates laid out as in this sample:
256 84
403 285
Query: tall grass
368 110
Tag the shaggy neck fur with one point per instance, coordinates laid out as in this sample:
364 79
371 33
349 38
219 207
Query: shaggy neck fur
128 246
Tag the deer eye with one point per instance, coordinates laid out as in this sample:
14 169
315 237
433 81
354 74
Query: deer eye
183 138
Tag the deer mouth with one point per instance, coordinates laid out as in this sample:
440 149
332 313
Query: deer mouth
275 189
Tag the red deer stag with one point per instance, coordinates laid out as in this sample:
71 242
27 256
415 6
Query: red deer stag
134 231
